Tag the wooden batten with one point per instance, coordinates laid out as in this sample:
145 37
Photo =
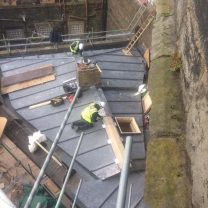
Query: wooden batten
147 57
27 75
146 103
3 122
23 85
115 140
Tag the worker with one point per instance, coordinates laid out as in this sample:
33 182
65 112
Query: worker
89 116
76 47
55 36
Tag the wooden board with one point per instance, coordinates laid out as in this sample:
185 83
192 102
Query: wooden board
3 122
147 57
146 103
23 85
115 139
27 75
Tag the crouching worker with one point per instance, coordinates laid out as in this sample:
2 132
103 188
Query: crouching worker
88 116
76 47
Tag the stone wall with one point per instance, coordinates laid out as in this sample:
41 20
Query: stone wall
192 33
180 28
166 178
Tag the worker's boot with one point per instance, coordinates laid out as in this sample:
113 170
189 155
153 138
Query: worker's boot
76 128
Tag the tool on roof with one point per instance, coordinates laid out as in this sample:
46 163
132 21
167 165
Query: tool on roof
35 142
138 34
70 85
57 101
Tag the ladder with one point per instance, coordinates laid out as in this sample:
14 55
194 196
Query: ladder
138 34
137 17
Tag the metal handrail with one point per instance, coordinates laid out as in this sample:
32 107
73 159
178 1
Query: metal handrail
121 197
69 171
67 38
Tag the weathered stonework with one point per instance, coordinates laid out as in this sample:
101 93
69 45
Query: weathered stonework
192 31
181 28
166 166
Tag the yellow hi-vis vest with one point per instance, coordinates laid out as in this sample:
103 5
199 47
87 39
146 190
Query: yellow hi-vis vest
74 47
88 112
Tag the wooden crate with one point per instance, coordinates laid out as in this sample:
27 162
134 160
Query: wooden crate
88 75
127 125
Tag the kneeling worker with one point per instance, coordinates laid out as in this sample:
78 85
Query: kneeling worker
88 116
76 47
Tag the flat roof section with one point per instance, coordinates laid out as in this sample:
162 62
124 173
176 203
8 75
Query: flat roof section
120 79
95 152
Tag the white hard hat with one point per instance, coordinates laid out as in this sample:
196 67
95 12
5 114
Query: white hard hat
102 104
81 46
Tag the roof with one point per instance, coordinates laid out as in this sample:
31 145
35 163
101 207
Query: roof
121 76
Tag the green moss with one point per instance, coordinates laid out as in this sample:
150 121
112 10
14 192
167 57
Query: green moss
163 7
167 110
176 62
165 179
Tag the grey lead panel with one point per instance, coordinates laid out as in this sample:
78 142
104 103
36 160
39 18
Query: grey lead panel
122 75
121 95
91 141
125 107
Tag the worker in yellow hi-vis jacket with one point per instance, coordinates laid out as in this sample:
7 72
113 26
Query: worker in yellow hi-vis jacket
88 116
76 47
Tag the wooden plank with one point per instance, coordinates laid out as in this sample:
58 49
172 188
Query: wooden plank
26 163
27 75
146 103
147 57
23 85
51 187
3 122
116 141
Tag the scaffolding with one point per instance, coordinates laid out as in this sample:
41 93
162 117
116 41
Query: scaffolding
42 40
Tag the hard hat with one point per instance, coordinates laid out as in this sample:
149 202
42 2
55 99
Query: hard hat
102 104
81 46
